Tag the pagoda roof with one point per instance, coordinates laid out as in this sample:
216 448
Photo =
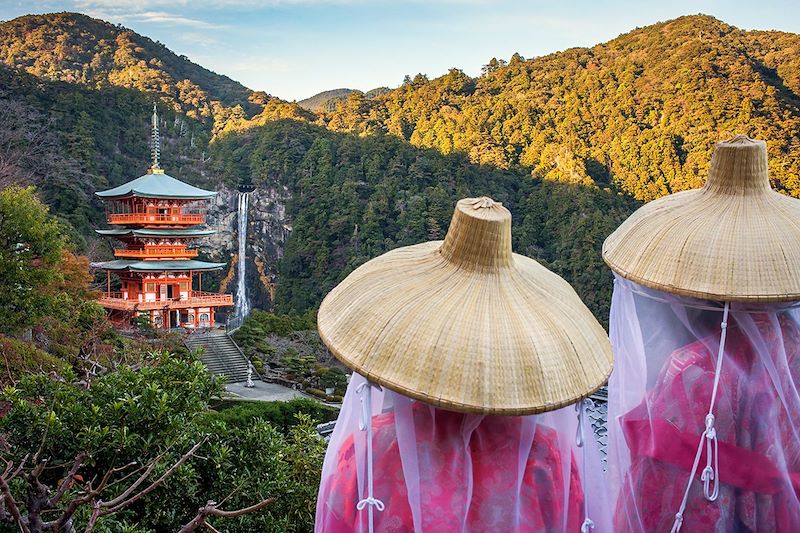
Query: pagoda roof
151 232
156 266
157 185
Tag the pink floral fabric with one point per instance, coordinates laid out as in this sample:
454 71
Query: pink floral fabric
757 421
466 484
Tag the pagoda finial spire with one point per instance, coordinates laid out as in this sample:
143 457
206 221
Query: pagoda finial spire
155 168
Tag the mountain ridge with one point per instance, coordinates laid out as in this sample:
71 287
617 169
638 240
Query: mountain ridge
77 48
640 112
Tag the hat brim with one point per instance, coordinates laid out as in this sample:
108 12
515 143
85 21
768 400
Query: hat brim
724 247
512 341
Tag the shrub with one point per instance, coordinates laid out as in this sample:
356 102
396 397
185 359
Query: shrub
282 415
135 415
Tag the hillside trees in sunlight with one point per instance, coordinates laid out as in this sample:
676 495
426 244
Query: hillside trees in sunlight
70 141
641 112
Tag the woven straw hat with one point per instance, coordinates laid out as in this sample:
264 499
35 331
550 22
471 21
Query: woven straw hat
735 239
466 324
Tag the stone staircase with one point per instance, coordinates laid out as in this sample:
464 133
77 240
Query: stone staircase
221 355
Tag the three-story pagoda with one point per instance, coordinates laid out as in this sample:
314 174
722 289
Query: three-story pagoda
155 217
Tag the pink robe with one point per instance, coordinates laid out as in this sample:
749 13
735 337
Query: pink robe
759 450
545 503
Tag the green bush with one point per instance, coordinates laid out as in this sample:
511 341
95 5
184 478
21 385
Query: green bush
318 393
16 355
282 415
251 452
333 377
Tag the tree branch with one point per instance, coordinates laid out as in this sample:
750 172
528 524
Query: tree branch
210 509
67 482
116 505
8 498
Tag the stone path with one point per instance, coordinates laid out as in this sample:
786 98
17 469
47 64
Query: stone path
266 392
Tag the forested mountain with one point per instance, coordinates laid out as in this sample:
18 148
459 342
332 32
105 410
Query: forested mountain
324 101
641 112
569 141
69 141
75 48
353 198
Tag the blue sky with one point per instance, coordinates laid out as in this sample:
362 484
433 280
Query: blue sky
296 48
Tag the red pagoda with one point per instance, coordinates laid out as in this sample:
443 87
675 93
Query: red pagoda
155 217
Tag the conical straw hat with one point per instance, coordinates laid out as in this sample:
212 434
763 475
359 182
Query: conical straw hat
735 239
466 324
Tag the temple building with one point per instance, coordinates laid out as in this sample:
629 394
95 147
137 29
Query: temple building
155 217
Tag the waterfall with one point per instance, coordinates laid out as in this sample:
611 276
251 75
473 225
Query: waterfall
242 307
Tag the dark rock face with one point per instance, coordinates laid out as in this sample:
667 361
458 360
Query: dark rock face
267 231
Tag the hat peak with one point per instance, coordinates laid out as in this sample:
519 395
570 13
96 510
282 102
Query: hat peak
742 139
484 202
479 236
739 166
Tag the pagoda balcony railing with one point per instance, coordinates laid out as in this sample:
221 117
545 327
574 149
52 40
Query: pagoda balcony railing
147 218
155 252
115 300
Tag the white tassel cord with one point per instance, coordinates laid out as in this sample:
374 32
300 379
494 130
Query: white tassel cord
365 394
710 473
580 441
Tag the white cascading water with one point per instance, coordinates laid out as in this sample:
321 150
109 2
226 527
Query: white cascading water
242 308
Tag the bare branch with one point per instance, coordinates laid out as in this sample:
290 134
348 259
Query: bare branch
116 505
93 518
66 483
210 509
13 509
141 479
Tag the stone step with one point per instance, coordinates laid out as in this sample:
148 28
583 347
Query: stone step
221 356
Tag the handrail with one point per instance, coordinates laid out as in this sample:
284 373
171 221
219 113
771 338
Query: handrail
148 218
115 300
156 251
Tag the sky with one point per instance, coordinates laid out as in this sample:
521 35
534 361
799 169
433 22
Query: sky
296 48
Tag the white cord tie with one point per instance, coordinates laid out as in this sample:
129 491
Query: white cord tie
678 523
710 473
580 441
712 455
370 501
364 392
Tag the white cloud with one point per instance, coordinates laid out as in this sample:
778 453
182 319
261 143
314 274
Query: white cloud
202 39
120 14
162 17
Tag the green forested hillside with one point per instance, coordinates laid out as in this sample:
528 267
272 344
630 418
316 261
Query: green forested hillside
75 48
641 112
324 101
354 198
69 141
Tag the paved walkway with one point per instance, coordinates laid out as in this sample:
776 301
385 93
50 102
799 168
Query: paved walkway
266 392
